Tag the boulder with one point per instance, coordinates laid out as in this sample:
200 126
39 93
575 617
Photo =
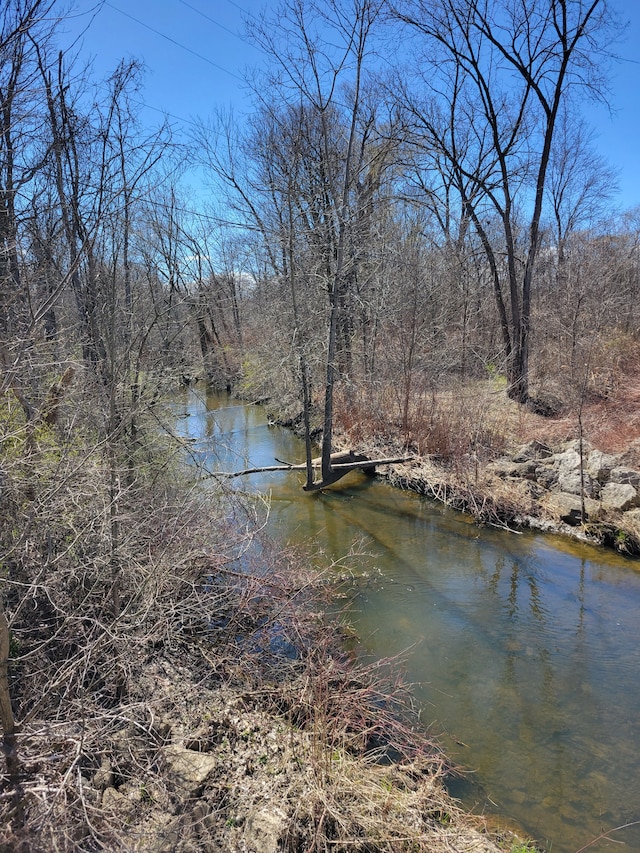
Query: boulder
117 803
568 508
547 476
264 830
189 770
625 475
567 460
533 450
570 478
507 468
573 483
600 465
503 468
631 521
619 496
585 447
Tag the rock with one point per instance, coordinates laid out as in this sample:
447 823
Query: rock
631 522
189 770
625 475
600 465
619 496
533 450
207 736
503 468
585 447
546 476
527 470
568 508
567 460
264 829
161 833
103 778
114 801
570 478
576 482
506 468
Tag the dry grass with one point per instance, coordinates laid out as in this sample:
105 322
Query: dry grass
306 745
455 431
453 424
461 423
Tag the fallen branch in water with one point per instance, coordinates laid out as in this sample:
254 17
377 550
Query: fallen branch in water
607 835
342 467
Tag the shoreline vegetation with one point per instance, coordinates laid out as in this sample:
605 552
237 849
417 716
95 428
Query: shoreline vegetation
423 254
175 681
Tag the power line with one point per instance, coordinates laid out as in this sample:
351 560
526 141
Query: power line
173 41
244 11
213 21
165 112
226 29
199 214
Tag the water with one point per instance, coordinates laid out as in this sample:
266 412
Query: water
524 649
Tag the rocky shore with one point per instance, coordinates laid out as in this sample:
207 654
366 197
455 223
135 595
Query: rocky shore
572 489
547 482
234 776
219 712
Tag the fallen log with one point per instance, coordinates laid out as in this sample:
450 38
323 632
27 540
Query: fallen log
339 467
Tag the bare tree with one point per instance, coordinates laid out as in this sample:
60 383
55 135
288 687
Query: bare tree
22 155
502 72
581 184
319 57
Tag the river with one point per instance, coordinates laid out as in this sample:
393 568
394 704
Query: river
524 650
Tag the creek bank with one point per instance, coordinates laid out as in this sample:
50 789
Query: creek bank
242 727
587 495
570 488
238 778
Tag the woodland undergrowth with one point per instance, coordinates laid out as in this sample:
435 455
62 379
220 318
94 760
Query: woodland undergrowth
133 613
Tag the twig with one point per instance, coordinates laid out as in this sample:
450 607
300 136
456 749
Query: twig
605 835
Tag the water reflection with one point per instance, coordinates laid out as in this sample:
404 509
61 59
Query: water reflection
524 650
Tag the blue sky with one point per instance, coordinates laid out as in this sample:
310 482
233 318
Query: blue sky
195 54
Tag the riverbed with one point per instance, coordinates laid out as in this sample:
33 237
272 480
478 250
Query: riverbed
523 649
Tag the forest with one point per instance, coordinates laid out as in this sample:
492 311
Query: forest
391 231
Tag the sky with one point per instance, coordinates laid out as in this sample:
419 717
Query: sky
196 53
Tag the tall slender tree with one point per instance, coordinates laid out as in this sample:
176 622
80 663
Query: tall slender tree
502 71
320 54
